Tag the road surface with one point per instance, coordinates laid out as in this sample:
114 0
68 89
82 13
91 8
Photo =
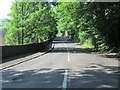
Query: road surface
68 65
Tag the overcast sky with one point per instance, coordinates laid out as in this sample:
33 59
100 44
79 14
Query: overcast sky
5 6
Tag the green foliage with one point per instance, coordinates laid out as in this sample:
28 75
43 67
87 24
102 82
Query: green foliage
94 25
82 37
32 22
88 43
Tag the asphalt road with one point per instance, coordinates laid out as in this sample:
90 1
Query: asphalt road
68 65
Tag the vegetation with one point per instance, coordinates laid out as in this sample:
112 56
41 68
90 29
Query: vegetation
31 22
91 24
94 25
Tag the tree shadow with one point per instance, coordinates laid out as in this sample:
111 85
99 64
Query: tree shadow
61 38
96 76
75 50
90 77
72 50
37 78
111 56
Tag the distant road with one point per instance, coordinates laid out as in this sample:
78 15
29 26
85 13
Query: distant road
68 65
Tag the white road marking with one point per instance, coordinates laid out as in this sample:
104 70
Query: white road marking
68 58
65 81
64 86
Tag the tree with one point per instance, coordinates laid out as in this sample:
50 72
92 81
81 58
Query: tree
32 22
91 24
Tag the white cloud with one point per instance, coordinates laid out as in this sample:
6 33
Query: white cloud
5 6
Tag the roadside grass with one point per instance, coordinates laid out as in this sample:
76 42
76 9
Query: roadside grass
88 43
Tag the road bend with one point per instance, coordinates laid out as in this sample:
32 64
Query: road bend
68 65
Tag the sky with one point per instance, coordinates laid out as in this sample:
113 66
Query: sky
5 6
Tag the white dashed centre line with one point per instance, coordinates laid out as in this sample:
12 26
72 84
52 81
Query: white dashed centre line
65 81
68 57
64 86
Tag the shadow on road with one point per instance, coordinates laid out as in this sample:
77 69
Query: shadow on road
72 50
48 78
71 47
92 77
38 78
111 56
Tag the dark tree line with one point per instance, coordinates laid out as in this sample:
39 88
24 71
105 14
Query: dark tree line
95 25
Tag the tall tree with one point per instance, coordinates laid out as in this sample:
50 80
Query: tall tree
33 21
